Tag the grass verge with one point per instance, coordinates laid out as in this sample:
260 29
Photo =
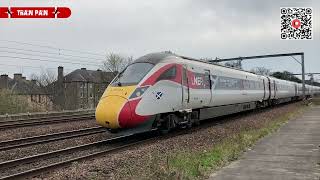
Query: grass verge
195 165
316 100
12 103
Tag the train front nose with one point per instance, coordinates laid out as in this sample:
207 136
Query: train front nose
109 109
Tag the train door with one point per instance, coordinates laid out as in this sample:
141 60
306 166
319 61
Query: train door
269 88
185 88
264 89
199 86
275 88
208 86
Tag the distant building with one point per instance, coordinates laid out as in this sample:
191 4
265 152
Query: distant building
26 88
81 88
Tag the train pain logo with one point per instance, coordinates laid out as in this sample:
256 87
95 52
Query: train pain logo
35 12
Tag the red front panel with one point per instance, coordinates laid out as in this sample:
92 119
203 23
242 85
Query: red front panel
128 117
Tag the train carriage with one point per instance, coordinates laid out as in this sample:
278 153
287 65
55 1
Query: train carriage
164 91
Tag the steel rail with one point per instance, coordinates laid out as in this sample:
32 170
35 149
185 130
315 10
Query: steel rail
15 124
45 117
22 142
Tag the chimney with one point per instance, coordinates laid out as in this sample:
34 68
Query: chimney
59 88
83 69
33 81
60 74
4 81
17 76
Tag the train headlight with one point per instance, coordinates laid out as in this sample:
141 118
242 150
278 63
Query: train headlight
139 92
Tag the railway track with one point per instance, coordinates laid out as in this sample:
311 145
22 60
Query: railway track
44 120
22 142
33 165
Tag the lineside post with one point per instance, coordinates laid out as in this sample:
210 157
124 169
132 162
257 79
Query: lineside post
303 77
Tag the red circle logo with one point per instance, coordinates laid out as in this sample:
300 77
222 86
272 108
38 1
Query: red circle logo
296 23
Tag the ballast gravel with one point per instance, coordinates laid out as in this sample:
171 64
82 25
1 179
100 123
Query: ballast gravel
29 131
50 146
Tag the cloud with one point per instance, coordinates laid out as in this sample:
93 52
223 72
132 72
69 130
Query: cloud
203 28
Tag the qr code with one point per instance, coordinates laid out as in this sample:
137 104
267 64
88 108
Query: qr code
296 23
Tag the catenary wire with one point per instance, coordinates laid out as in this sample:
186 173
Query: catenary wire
50 57
51 47
46 52
45 60
27 66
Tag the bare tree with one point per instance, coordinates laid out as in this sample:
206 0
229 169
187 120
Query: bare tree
45 80
206 59
116 63
130 60
234 64
261 71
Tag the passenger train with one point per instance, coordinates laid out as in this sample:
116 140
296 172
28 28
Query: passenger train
164 91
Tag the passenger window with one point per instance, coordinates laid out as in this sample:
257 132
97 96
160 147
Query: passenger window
246 84
168 74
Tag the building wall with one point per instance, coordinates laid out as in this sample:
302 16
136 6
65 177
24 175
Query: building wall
83 95
40 100
71 100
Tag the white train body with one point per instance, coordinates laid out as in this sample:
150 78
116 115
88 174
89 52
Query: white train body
165 90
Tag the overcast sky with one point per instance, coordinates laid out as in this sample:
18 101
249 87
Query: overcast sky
203 28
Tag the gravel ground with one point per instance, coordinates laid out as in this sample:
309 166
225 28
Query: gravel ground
54 159
51 146
22 132
141 162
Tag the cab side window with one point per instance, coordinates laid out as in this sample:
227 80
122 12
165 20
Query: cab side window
168 74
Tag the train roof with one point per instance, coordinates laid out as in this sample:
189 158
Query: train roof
154 58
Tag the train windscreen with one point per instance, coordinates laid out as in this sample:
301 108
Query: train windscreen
132 75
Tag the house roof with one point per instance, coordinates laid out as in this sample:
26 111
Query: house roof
83 75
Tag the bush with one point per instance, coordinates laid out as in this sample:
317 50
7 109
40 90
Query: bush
11 103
